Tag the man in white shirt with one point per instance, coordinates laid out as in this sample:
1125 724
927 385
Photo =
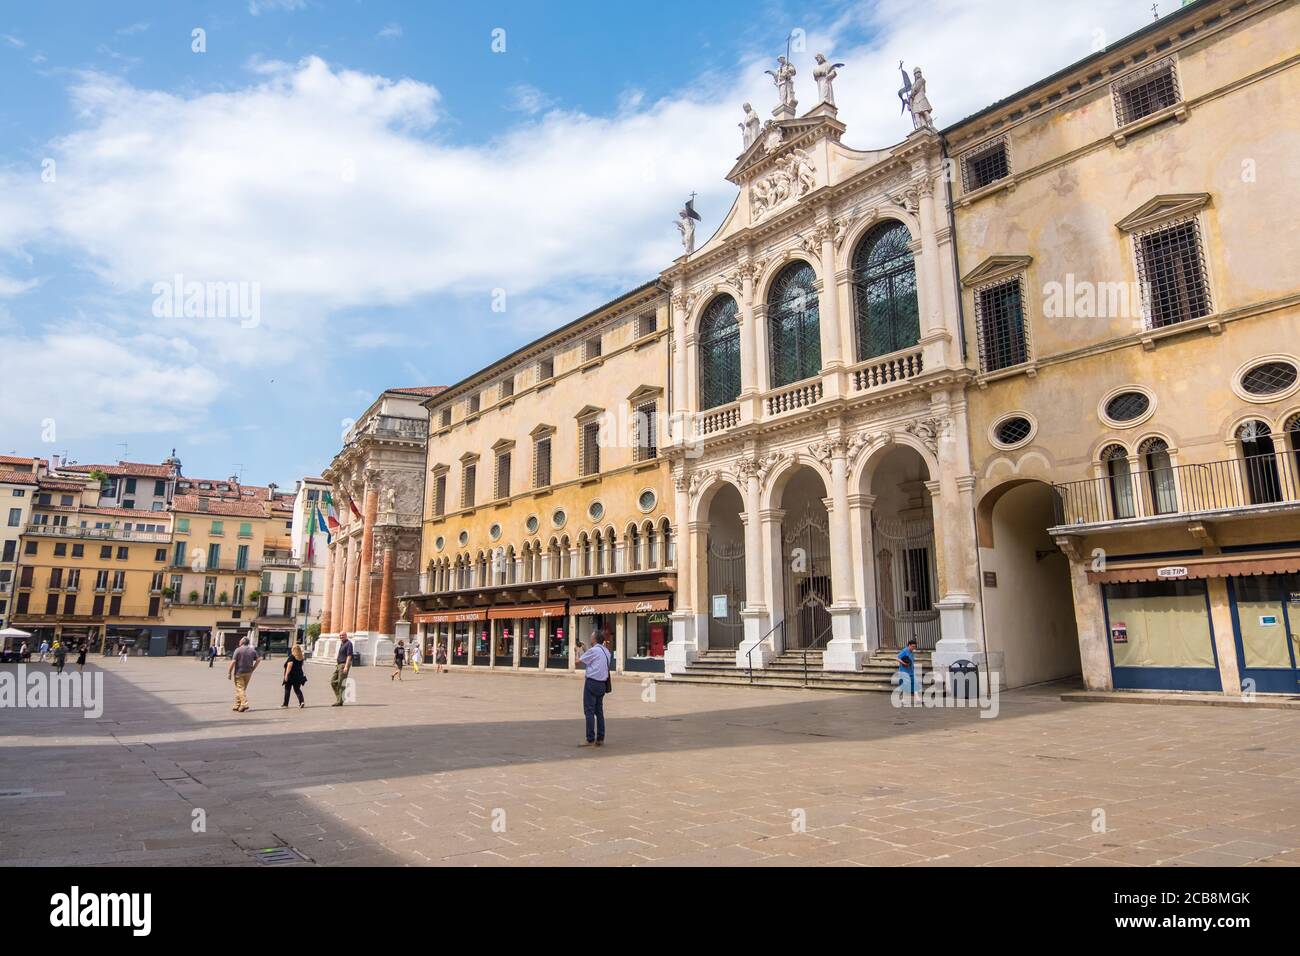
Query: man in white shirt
597 660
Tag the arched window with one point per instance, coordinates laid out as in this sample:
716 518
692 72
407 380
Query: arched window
667 552
1154 453
884 275
1120 474
793 326
1293 431
632 548
719 346
1259 464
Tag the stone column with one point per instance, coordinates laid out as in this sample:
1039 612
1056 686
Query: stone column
327 594
1090 618
755 617
748 337
350 586
370 511
933 319
385 609
683 648
682 431
620 639
846 649
340 560
773 570
829 300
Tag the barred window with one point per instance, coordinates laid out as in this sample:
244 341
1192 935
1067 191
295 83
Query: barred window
501 489
647 325
589 452
646 439
472 404
468 476
1000 317
1147 91
884 268
1269 378
985 164
446 417
507 386
719 347
545 369
591 348
542 462
794 325
1171 269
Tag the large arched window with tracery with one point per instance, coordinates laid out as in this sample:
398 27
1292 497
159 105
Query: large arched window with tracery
719 346
794 326
884 276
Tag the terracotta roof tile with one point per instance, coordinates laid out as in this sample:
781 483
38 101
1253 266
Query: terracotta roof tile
18 478
219 506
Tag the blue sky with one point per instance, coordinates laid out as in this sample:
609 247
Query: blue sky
372 171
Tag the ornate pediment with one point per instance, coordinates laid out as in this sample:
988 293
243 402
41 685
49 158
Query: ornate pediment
994 267
643 393
1162 208
778 136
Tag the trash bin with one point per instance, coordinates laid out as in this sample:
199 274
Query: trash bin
963 678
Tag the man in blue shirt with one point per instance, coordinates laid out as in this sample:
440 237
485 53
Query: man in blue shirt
341 669
597 660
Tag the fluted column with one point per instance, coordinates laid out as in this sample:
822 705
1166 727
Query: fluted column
369 512
385 621
684 646
748 336
755 616
846 649
327 594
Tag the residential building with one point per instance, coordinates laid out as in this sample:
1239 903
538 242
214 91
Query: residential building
18 484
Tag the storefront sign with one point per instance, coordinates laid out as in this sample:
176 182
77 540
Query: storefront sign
644 606
444 617
1268 620
1119 632
519 611
1175 571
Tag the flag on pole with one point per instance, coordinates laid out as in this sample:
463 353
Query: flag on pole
318 522
311 535
353 505
331 513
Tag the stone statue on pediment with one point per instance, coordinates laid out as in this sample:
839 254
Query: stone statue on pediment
824 73
749 129
912 94
783 77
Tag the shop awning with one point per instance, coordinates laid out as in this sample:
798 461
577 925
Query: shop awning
1200 566
446 617
515 611
620 605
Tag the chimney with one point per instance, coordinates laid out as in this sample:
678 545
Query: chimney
54 462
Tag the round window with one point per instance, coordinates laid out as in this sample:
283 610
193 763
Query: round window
1126 406
596 511
1014 430
440 543
464 538
1268 378
532 524
647 501
495 531
559 517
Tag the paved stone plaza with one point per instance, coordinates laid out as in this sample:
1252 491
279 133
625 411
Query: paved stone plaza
416 773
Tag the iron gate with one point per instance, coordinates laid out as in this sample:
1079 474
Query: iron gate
726 581
807 559
906 582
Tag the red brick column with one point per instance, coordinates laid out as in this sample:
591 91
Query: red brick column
327 595
385 624
370 511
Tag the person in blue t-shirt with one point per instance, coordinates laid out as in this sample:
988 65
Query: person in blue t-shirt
907 667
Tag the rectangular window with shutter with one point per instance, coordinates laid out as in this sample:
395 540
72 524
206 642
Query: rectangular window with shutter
589 451
468 477
542 463
502 486
647 440
440 495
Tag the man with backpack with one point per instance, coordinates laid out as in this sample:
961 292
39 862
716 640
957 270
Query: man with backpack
597 660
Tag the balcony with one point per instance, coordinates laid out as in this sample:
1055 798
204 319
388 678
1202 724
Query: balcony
886 370
97 534
280 561
391 426
717 420
1235 486
202 567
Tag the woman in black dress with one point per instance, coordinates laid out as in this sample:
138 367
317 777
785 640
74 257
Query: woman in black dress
81 656
399 658
294 676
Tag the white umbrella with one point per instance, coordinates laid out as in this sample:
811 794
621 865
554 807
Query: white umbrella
14 632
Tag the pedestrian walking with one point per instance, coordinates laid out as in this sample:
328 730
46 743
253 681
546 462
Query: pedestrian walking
242 664
81 657
45 649
24 652
294 676
342 667
399 658
121 650
440 658
907 668
212 653
597 660
417 656
60 656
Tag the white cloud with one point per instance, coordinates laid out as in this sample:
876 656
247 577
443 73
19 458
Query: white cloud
10 287
13 40
526 98
391 31
258 7
333 189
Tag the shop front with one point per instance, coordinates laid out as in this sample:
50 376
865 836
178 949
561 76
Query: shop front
1266 619
453 632
636 629
273 641
187 641
532 626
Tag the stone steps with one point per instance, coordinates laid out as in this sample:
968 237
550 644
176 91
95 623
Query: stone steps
718 667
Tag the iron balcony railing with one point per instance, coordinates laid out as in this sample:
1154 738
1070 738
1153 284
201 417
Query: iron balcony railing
1255 481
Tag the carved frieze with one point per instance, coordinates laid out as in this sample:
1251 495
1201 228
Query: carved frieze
791 178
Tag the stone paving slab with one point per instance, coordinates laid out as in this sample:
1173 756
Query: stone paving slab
468 769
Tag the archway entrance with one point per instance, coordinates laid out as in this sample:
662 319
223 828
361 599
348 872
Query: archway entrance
902 532
726 570
806 559
1027 596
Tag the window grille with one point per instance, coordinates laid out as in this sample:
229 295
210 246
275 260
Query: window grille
1147 91
984 165
545 369
1000 316
1171 270
888 318
589 453
719 347
440 495
472 404
591 348
542 463
502 486
507 386
794 328
647 325
646 427
1268 378
1014 430
467 486
1127 406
